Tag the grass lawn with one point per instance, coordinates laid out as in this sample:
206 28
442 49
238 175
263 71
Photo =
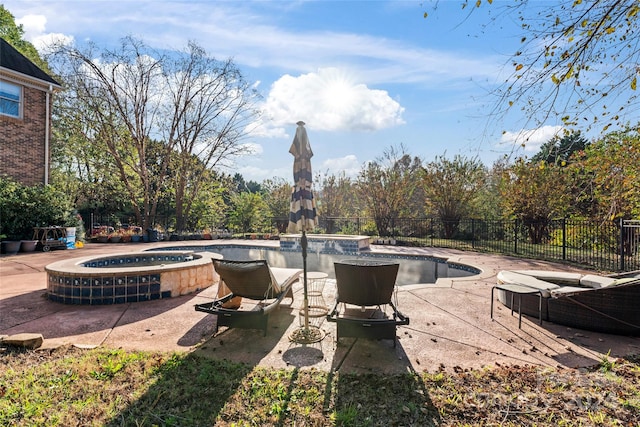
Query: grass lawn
103 387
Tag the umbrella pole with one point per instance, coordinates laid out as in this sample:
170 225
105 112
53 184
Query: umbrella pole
303 243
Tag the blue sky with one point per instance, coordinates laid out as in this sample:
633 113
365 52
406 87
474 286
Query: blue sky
364 75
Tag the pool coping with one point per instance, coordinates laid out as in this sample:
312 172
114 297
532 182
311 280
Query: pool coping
72 266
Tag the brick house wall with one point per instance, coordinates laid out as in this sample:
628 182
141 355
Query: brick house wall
22 140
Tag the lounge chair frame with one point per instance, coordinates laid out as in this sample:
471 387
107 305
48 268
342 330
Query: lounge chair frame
252 280
369 286
611 309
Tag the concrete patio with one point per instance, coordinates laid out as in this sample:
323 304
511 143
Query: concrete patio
450 327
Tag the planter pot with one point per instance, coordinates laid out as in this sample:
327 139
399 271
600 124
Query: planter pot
126 238
102 239
136 238
115 239
10 246
28 245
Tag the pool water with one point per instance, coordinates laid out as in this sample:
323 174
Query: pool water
413 269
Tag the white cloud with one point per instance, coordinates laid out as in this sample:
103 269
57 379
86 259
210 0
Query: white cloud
34 27
348 164
329 100
530 139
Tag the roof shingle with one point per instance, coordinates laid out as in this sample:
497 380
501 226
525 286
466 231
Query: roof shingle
13 60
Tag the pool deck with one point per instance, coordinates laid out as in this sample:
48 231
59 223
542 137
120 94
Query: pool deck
450 327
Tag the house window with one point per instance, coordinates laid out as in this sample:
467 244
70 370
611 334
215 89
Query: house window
10 96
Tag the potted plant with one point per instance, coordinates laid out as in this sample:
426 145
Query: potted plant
125 235
102 236
8 246
115 237
24 207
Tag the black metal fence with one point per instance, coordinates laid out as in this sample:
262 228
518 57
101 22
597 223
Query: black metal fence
606 246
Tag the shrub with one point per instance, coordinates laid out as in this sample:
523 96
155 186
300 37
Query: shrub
23 207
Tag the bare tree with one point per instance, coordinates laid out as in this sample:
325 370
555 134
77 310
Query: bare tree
210 108
198 108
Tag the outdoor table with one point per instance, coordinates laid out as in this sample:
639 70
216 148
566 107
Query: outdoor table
517 289
315 286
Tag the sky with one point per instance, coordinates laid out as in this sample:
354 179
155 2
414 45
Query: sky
365 76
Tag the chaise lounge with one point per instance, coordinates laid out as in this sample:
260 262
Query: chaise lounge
265 287
364 289
591 302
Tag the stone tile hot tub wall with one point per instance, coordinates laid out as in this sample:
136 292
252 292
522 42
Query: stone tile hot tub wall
129 277
326 243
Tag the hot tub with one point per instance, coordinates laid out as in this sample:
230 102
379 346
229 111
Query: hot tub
129 277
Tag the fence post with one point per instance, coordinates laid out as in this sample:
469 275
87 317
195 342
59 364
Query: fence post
515 236
393 227
473 233
432 230
358 224
622 266
564 238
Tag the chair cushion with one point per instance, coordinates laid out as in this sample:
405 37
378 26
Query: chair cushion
282 277
557 277
506 276
593 281
569 290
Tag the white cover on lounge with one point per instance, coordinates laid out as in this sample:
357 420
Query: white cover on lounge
513 277
281 277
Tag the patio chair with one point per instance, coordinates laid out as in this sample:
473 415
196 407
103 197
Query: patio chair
364 289
266 287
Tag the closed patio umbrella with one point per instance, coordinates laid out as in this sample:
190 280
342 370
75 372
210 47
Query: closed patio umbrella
302 215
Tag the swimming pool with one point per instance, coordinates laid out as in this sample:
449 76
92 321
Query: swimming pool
414 269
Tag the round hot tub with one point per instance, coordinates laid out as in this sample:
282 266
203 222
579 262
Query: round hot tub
129 277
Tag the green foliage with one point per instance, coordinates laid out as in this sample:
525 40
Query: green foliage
558 151
535 193
451 188
610 169
249 213
585 237
336 197
386 187
23 207
488 200
607 365
277 195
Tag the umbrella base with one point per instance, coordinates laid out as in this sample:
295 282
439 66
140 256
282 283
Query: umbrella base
308 335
